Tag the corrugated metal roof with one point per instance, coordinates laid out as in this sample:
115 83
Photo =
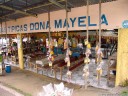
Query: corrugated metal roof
13 9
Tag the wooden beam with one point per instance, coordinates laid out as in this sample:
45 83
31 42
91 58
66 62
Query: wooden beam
59 5
18 11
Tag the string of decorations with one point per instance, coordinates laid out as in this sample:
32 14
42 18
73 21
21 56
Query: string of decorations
99 54
87 52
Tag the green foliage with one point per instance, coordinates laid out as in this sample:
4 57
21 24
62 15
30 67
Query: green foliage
125 93
16 89
0 58
124 84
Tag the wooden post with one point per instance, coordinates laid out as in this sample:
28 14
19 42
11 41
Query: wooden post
98 72
67 22
20 50
99 23
87 19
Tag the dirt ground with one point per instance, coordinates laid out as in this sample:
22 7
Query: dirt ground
30 84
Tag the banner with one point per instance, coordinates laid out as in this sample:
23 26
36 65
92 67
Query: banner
114 16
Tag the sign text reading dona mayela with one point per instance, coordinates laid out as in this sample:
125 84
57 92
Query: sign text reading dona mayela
57 24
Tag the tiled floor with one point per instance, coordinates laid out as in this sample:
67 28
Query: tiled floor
77 75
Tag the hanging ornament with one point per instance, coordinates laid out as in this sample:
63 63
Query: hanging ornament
51 43
99 69
88 52
53 58
51 52
99 55
50 57
67 59
68 63
50 63
68 52
48 53
69 76
65 44
97 47
47 43
86 74
99 72
55 43
86 71
85 41
86 60
89 45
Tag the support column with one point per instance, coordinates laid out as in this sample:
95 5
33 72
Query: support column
122 57
20 51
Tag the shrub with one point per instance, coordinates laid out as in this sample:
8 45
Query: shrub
124 93
124 84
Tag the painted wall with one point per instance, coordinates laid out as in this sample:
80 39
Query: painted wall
122 56
113 15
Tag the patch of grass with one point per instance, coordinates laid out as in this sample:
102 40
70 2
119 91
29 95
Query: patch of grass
124 93
16 89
